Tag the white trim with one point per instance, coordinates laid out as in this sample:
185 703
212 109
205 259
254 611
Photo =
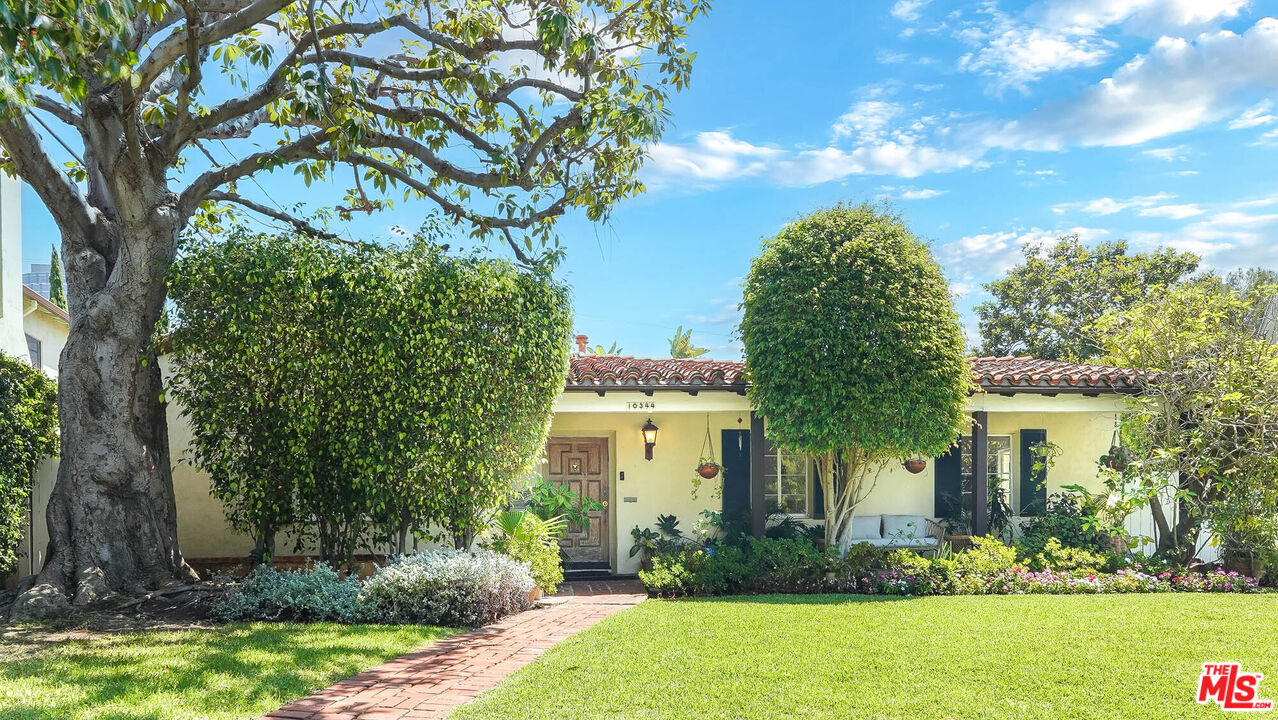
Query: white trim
661 401
1030 402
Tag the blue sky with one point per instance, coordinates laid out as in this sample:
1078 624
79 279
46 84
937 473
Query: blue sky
988 125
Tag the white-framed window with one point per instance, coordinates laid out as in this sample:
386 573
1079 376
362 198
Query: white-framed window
998 466
33 351
787 481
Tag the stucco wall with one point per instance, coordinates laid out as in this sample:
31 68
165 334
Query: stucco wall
662 485
52 334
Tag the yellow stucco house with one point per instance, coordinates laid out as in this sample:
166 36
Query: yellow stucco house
697 407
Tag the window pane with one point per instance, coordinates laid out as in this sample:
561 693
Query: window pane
793 485
793 464
794 504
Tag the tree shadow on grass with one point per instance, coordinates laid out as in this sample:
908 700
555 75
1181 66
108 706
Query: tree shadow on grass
229 672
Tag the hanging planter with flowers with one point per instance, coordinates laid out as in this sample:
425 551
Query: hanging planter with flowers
707 467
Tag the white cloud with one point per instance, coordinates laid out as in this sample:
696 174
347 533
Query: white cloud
1110 206
890 57
994 253
1057 35
1179 85
922 194
1225 240
712 157
1175 212
1254 116
867 120
1168 154
908 10
1258 202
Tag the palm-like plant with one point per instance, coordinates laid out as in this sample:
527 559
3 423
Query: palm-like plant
681 345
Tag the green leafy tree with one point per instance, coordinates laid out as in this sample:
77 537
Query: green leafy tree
613 349
358 393
854 350
1201 435
29 425
503 114
57 291
681 345
1046 306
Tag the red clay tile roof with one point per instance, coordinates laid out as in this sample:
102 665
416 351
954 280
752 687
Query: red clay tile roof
1027 373
1024 374
612 371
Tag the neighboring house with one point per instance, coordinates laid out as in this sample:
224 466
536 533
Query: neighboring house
46 327
12 340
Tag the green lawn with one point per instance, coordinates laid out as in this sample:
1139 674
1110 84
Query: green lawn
1113 656
238 671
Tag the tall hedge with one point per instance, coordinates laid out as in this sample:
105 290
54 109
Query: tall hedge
356 394
29 426
854 349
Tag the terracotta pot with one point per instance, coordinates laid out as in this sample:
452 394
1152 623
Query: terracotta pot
534 595
707 470
916 466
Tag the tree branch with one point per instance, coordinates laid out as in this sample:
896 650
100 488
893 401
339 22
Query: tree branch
199 189
59 194
298 223
171 48
58 110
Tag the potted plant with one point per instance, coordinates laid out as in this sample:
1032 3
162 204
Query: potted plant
707 467
915 465
1116 458
645 546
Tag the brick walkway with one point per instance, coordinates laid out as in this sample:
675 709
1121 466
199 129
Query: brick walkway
432 681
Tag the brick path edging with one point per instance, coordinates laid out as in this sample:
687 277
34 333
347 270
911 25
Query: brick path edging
430 682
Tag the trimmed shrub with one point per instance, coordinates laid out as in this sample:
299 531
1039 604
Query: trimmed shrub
791 560
314 594
447 587
1067 560
668 576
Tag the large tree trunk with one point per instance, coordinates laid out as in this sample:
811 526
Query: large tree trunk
112 518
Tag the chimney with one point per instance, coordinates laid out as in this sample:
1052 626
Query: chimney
581 344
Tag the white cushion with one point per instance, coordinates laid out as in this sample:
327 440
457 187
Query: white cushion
904 526
866 527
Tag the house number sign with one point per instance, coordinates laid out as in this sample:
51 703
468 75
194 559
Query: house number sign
641 405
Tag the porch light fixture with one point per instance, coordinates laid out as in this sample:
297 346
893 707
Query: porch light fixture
649 439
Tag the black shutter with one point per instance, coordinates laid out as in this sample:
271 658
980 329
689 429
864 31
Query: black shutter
736 472
1033 484
949 484
818 495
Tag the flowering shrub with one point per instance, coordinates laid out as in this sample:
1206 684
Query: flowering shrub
988 568
446 587
317 593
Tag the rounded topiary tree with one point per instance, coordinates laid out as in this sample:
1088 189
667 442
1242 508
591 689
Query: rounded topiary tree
854 350
29 426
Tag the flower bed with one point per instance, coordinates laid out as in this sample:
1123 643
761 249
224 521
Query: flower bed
988 568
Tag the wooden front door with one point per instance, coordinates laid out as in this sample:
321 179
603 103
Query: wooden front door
582 463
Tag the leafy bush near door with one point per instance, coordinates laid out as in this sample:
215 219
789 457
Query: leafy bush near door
533 540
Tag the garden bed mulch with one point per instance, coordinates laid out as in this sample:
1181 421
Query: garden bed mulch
180 608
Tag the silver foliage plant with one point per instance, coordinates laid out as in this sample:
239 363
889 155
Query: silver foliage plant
447 587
